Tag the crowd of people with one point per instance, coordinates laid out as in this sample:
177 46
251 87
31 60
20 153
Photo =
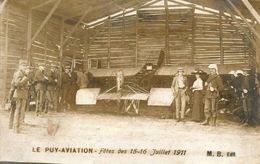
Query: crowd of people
42 86
49 92
206 95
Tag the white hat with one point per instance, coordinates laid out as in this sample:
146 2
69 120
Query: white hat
232 73
213 66
239 72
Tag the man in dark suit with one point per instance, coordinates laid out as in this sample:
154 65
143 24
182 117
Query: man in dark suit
52 88
249 97
66 82
40 86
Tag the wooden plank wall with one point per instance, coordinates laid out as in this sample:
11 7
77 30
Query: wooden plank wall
180 36
151 35
207 44
44 48
74 48
115 39
234 43
193 38
13 44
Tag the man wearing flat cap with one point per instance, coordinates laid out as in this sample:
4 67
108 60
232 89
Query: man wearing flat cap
20 83
179 87
213 86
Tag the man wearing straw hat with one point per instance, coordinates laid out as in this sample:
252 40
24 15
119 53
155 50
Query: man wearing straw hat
213 85
179 87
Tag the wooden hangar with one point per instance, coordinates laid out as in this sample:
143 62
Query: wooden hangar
105 36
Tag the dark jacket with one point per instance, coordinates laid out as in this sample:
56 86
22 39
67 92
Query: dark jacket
52 79
216 82
66 80
40 80
20 82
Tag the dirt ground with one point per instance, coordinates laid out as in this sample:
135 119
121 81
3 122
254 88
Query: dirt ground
102 126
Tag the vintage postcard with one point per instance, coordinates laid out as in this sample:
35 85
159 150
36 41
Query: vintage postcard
129 81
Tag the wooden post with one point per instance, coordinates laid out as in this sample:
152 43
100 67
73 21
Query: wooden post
42 4
86 49
29 35
123 33
221 38
2 6
61 51
136 38
193 36
109 42
252 10
45 45
74 53
6 52
167 49
257 27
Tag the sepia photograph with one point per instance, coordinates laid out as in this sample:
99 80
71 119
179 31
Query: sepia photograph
130 81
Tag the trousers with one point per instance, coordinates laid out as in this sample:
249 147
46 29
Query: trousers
51 100
40 96
210 107
180 102
19 113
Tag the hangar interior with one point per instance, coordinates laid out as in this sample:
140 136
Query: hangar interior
106 35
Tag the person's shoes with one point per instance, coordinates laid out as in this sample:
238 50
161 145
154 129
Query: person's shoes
214 122
178 120
206 122
182 120
243 121
16 130
245 124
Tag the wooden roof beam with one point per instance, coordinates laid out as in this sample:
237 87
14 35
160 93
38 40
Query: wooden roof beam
88 11
3 5
252 10
42 4
129 11
244 19
120 7
192 5
75 27
44 22
233 17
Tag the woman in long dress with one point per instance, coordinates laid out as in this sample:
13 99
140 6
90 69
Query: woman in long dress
197 99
